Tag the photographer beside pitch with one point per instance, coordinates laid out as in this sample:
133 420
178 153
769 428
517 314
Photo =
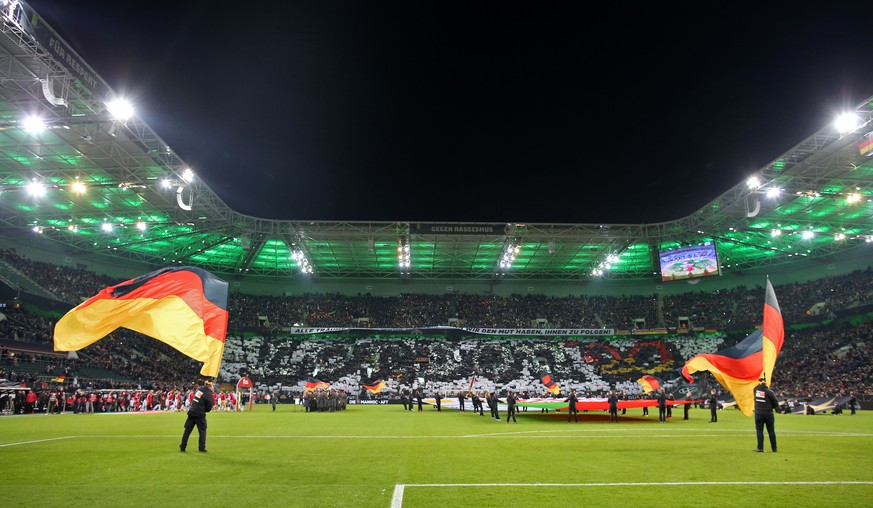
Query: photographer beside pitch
765 404
200 405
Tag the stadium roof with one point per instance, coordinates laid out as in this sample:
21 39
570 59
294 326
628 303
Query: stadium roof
99 183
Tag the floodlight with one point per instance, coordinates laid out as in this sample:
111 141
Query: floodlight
753 182
807 235
33 124
776 232
120 109
36 189
141 226
773 192
187 174
78 187
404 254
106 227
847 122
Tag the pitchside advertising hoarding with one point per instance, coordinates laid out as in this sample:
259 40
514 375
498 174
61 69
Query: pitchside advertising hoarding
521 332
689 262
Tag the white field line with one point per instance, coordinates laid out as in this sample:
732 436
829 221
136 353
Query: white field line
569 434
36 441
504 435
400 488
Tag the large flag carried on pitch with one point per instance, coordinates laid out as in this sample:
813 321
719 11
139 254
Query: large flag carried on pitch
738 368
184 307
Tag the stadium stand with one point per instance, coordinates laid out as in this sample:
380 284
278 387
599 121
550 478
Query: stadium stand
828 356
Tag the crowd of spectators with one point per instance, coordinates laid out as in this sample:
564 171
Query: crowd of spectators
720 309
812 363
70 397
839 357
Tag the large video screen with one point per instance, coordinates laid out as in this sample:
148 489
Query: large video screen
689 263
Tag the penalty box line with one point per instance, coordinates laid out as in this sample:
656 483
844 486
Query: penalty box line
400 488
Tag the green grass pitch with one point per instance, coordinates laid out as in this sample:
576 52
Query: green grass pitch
382 456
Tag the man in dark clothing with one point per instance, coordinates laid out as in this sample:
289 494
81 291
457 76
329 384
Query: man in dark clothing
662 406
713 406
200 405
613 406
477 403
765 403
670 406
572 399
491 400
439 398
418 400
461 401
687 405
510 407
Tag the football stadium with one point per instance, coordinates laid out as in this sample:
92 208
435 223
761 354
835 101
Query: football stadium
448 363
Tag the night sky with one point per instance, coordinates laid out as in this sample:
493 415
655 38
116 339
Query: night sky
543 112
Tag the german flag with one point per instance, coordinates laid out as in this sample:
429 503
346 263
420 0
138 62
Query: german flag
738 368
773 331
550 383
650 383
374 386
313 384
184 307
866 144
59 379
